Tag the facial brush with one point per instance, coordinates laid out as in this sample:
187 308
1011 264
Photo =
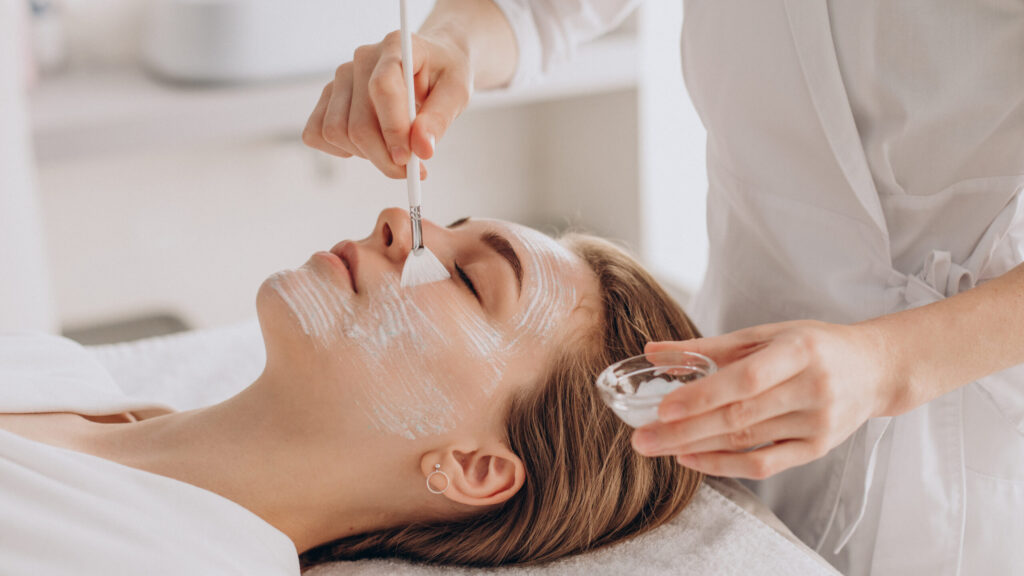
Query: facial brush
421 267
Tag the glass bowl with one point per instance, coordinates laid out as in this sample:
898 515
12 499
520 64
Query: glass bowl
633 388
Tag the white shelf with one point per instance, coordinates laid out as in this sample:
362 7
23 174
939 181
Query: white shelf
112 111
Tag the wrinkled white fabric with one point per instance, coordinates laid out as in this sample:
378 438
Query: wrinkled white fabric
65 512
863 158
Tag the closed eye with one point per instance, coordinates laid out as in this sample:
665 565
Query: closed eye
465 280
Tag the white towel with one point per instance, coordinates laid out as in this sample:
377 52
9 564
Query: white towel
189 369
712 536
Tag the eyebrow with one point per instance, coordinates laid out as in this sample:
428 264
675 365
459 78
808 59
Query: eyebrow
458 222
503 247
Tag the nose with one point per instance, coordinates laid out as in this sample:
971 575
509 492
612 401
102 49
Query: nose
393 234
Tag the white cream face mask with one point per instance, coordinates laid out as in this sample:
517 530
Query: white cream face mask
547 297
398 344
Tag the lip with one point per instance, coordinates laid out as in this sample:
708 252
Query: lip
348 256
335 262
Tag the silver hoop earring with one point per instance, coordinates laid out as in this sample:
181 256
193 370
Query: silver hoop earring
447 480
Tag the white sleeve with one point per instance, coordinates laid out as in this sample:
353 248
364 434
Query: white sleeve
548 31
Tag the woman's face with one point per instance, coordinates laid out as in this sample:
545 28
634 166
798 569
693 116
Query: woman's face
423 361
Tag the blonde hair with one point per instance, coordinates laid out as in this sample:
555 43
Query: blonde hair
585 485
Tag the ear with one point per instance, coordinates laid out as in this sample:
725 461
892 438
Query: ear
483 476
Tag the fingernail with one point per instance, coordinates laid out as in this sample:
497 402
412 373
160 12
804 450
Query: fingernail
432 143
672 412
398 155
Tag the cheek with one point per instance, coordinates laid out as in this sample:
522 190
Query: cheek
455 343
417 361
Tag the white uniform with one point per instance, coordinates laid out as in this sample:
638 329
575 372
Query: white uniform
863 157
64 512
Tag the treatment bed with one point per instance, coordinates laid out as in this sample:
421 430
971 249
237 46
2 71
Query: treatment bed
725 530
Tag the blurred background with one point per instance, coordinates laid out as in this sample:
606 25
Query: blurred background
152 173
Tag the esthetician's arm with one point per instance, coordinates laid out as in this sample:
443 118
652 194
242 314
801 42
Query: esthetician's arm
808 385
462 46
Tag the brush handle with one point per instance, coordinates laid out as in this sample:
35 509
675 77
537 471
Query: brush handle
417 228
412 169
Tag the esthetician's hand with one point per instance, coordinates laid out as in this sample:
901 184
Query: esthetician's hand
364 112
804 386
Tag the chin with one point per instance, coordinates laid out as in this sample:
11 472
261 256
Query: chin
277 321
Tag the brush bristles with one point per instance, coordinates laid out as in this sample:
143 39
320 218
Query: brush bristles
422 267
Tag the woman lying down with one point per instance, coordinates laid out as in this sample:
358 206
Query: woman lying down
455 422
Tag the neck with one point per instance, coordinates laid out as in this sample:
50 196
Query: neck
271 454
